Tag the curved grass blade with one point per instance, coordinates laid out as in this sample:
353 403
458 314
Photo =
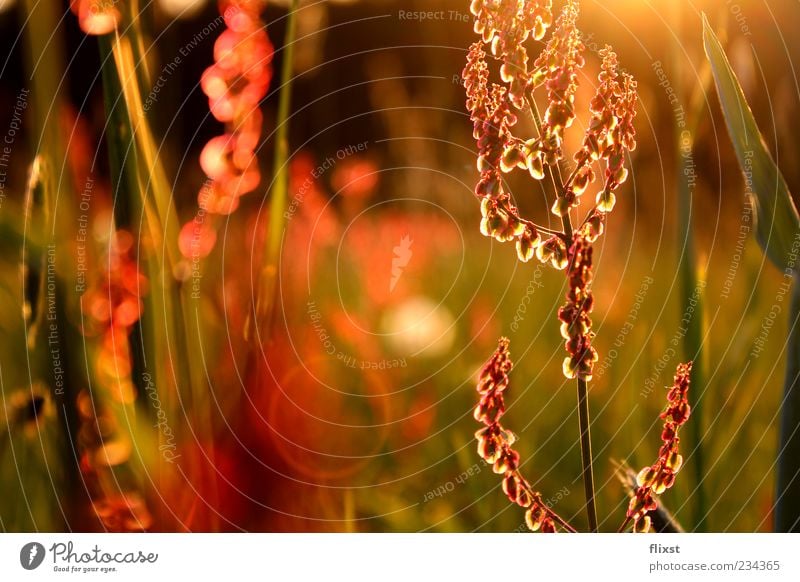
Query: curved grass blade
777 228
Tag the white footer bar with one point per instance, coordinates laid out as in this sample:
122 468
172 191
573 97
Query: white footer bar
400 557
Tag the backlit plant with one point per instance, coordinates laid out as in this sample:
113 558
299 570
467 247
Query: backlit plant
504 27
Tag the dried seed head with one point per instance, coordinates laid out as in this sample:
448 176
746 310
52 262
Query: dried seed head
594 227
534 517
29 411
490 408
490 443
646 477
548 526
535 165
504 26
527 243
513 158
619 139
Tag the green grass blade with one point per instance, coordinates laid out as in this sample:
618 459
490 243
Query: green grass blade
777 221
52 217
280 186
33 263
691 289
777 225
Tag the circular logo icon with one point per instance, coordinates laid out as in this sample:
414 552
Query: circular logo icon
31 555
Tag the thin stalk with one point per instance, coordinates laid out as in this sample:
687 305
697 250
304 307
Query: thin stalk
34 267
537 121
137 18
624 525
689 285
43 51
143 191
584 424
566 222
586 453
561 521
541 228
265 304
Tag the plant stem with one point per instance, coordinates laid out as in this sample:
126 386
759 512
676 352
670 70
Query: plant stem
683 137
586 453
583 422
561 521
44 48
277 223
567 223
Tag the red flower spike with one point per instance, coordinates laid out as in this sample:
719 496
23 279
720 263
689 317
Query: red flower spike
495 443
659 477
235 85
574 315
96 17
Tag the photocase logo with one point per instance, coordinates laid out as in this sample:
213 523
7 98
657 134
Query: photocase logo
400 260
31 555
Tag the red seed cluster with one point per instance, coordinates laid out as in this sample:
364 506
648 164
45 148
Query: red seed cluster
505 25
495 442
574 315
557 67
621 140
599 135
97 16
113 306
114 298
492 119
103 446
659 477
610 135
235 85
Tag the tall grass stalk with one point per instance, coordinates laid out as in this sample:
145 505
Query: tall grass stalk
683 135
265 304
584 427
170 333
44 46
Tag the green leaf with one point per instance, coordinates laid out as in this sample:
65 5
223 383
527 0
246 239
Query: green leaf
777 221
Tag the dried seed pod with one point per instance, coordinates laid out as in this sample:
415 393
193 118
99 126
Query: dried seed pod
642 525
646 477
594 227
534 517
